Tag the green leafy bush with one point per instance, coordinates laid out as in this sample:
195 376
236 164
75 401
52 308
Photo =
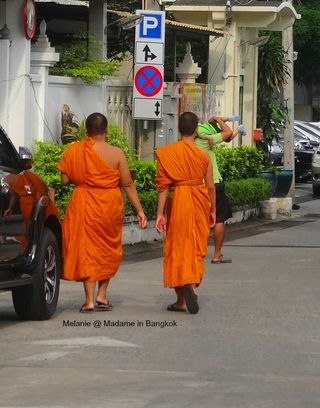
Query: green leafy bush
247 191
45 160
239 163
149 202
145 174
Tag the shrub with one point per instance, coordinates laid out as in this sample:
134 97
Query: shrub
145 174
149 202
239 163
247 191
45 160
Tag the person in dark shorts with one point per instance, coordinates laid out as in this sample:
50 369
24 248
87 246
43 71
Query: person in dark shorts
209 135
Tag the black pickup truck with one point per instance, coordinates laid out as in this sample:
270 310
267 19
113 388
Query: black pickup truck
30 235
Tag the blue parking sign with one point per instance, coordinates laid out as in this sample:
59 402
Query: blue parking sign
151 27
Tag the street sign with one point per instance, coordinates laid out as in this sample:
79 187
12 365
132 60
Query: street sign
148 81
147 108
148 68
149 53
152 27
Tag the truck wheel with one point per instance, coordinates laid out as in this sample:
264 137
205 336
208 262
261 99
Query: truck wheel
39 300
316 188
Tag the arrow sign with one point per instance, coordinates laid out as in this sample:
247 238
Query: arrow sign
149 109
149 52
157 111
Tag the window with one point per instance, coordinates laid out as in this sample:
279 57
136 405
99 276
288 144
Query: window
8 155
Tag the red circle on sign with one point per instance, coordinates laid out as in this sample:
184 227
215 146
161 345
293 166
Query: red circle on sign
148 81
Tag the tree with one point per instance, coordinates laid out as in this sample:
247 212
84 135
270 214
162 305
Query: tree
306 42
76 62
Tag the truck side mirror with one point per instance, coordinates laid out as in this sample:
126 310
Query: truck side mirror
25 158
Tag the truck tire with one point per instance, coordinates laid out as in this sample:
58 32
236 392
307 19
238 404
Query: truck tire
39 300
316 188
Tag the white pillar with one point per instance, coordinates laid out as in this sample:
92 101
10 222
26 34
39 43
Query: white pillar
97 24
19 73
43 56
4 82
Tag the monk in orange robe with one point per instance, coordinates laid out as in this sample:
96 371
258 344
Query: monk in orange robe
185 172
92 227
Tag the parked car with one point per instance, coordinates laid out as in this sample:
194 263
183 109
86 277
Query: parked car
30 235
316 173
304 142
303 164
308 129
303 152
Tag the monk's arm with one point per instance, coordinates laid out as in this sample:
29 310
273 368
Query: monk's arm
161 221
130 189
211 190
64 179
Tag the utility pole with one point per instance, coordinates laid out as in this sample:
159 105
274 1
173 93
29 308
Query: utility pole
288 96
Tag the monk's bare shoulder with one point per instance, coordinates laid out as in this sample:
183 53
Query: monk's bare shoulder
114 150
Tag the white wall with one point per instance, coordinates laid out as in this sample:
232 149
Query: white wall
82 99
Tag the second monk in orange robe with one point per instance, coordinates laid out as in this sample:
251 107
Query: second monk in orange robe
92 227
187 171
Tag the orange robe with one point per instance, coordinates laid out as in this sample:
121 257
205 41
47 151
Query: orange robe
92 227
187 212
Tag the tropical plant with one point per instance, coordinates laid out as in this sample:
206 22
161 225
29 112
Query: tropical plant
76 131
273 71
273 74
272 117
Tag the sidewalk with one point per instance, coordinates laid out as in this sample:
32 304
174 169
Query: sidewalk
153 249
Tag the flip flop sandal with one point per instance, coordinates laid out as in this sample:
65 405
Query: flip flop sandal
221 260
191 299
174 308
103 307
86 309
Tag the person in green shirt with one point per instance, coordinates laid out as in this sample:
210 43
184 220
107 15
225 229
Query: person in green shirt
211 134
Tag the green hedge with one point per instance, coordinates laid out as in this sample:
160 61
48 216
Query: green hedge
247 191
239 163
45 159
240 193
145 174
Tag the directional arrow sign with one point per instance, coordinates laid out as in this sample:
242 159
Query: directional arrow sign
147 109
149 53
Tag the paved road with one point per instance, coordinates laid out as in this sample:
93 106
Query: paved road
254 344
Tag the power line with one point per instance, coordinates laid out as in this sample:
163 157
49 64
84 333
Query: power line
42 113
